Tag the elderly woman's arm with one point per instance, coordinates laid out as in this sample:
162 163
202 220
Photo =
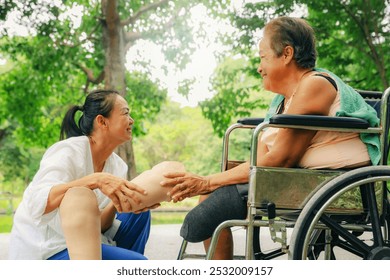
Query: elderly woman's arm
314 96
185 184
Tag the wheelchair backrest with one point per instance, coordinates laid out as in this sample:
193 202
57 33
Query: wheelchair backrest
373 98
380 101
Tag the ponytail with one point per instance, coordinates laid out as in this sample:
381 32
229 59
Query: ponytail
69 128
97 102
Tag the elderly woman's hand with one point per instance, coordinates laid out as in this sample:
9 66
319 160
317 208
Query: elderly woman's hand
185 185
120 191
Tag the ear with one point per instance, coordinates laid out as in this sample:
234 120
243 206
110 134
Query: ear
101 121
288 54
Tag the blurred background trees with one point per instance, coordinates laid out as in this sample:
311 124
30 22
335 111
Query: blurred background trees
67 48
352 41
72 47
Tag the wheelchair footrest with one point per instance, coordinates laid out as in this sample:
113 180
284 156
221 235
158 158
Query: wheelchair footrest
275 228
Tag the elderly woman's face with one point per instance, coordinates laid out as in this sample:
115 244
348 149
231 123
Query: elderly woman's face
270 65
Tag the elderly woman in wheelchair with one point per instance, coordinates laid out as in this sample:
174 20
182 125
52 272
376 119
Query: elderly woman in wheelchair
287 66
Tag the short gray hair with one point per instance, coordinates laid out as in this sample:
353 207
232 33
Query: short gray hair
297 33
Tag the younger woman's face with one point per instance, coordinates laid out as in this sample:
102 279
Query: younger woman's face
120 122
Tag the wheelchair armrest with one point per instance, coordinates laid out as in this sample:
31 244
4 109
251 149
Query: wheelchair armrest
250 121
320 121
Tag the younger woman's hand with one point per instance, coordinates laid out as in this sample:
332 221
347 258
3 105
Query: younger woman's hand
120 191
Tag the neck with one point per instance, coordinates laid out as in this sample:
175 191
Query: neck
100 152
294 82
304 72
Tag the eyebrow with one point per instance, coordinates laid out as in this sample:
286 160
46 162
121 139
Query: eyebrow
263 51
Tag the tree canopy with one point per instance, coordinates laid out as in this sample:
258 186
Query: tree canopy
352 41
352 36
71 47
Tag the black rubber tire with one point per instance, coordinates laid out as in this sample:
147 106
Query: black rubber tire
314 211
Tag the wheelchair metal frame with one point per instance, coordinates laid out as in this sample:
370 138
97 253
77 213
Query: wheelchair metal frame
278 227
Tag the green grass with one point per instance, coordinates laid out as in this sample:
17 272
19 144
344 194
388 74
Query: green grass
173 213
5 223
160 218
168 213
7 206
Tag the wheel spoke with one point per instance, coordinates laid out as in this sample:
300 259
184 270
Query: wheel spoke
349 237
363 234
374 215
317 241
347 247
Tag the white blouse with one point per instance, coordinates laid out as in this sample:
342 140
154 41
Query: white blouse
36 235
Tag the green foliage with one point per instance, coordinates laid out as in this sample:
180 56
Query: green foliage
185 86
40 82
6 6
17 162
5 224
48 65
145 99
352 36
352 41
179 135
46 70
182 134
238 95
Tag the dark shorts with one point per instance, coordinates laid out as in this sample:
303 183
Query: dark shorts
224 204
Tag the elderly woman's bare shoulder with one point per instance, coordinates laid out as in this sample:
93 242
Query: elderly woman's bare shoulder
314 96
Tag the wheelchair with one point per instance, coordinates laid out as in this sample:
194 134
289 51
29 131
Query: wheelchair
330 214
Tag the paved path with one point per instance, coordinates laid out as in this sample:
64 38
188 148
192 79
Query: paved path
164 243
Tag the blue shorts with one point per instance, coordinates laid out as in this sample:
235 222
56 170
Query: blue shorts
131 238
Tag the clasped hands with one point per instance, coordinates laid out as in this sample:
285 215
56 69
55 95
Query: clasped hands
122 192
185 184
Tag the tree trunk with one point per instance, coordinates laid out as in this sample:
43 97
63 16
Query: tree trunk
115 70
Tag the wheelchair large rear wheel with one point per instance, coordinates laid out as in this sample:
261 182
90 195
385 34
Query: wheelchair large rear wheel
346 219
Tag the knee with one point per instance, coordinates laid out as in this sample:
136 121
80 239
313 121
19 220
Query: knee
223 204
202 198
78 202
195 227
